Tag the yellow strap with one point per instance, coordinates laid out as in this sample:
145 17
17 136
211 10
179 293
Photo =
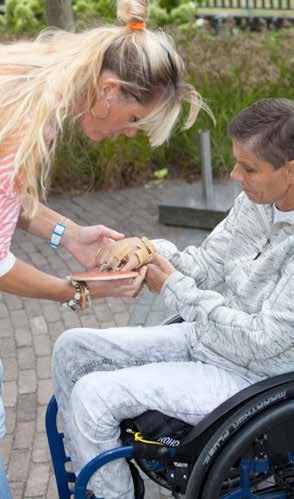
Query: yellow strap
138 437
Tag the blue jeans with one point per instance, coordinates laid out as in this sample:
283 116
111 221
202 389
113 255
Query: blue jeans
4 487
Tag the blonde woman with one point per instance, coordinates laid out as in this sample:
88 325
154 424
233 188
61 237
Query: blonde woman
111 80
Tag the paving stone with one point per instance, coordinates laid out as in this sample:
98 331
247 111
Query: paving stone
44 367
55 329
17 489
26 358
7 348
116 304
19 318
13 302
9 393
42 345
122 319
89 321
10 420
24 434
41 418
102 312
18 465
38 259
45 391
41 452
38 325
139 315
32 307
52 489
3 310
6 328
38 480
23 337
70 319
10 369
27 382
28 246
26 407
157 317
107 325
5 449
51 312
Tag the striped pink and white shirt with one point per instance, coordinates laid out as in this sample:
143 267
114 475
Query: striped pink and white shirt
10 204
10 198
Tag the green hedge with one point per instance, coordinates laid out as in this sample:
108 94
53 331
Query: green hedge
230 71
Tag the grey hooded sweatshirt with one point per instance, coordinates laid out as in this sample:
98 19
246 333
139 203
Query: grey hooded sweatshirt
238 289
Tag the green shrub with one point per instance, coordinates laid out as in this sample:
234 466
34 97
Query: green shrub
24 15
184 13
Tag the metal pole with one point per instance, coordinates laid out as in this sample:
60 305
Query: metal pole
206 168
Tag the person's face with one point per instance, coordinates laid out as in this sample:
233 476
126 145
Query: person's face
260 181
113 113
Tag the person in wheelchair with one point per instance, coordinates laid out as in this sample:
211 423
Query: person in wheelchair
235 294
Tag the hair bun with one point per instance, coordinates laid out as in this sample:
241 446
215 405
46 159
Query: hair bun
132 10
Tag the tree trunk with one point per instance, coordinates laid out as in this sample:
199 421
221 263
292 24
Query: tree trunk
59 13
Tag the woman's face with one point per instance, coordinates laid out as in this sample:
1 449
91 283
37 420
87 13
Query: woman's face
113 113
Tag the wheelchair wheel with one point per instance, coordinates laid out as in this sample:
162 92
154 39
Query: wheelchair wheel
256 461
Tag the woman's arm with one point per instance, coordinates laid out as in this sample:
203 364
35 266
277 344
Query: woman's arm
25 280
82 242
43 223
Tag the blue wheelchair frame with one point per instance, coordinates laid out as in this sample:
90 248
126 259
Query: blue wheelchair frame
59 458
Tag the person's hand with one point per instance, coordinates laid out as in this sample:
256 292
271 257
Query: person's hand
120 252
84 242
119 287
158 271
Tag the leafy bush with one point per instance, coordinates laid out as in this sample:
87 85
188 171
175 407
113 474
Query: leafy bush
24 15
184 13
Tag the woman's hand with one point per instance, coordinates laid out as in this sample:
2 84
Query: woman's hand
119 287
158 271
84 242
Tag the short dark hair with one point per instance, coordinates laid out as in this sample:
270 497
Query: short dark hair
269 125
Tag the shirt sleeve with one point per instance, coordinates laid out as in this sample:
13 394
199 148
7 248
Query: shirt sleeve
205 264
10 204
7 263
234 334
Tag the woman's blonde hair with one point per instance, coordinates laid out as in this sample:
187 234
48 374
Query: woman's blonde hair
41 81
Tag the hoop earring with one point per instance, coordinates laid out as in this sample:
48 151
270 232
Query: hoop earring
101 117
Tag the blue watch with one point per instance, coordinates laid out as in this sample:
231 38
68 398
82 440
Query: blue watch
57 234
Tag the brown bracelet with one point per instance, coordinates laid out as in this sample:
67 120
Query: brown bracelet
83 295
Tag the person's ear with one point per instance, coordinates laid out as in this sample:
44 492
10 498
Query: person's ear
290 168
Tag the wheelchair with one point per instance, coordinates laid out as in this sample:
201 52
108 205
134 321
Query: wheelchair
244 449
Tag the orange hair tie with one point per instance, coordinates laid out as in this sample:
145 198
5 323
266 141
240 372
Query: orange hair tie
136 25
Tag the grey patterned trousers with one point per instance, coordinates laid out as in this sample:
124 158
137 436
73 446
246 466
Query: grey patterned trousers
104 376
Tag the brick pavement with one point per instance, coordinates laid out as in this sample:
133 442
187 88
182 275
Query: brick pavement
29 328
